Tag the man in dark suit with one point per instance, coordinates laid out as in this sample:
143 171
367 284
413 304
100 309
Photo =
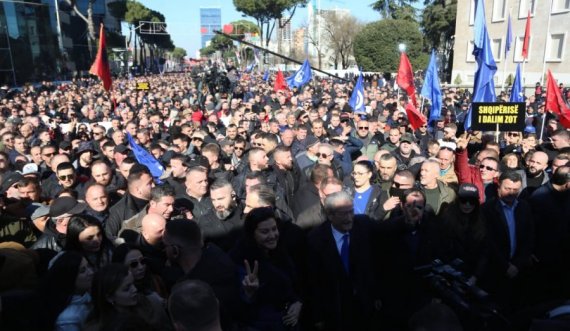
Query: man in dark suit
344 292
510 235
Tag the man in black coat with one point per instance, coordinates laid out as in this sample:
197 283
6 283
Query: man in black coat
550 206
223 224
344 290
510 234
140 183
191 259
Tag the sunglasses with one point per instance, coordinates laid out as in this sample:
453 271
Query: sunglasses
239 148
197 139
322 155
397 185
66 177
512 134
135 264
487 168
363 128
48 154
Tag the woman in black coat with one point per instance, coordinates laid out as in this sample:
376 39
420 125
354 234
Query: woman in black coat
269 284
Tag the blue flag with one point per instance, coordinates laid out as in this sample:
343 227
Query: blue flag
484 87
266 75
147 159
509 38
357 98
517 90
301 77
431 89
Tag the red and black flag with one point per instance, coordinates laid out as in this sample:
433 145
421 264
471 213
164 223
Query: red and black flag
100 67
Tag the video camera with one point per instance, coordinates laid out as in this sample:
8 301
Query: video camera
456 289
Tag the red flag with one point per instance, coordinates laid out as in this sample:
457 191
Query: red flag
279 82
100 67
415 118
405 78
526 37
554 101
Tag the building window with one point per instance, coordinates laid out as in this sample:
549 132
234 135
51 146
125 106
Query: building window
519 41
496 49
560 6
499 9
470 46
555 47
525 6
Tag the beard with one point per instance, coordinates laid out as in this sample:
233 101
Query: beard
223 214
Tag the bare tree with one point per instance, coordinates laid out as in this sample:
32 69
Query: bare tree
340 30
91 36
318 43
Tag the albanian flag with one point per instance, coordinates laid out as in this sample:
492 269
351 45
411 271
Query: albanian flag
280 83
100 67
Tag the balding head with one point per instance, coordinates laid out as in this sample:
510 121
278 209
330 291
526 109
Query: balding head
96 197
537 163
57 160
101 173
153 228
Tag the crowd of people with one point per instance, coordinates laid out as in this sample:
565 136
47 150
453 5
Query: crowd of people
272 210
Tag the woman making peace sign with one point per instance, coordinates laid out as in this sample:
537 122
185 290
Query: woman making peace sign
267 273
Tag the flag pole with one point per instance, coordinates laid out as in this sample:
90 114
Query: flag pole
506 57
545 48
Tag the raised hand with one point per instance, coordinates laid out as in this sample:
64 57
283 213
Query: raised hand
463 140
391 203
250 282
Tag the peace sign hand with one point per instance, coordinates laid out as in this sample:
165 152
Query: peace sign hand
250 281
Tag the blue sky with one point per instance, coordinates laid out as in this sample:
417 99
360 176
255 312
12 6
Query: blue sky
183 16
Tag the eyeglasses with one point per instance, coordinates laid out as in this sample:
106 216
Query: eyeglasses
487 168
66 177
239 148
135 264
324 155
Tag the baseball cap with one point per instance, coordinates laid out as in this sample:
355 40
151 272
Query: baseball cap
66 205
39 210
30 169
10 180
311 141
407 138
468 191
121 149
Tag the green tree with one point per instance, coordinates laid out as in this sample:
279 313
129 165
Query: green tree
438 26
178 53
218 43
267 13
396 9
376 46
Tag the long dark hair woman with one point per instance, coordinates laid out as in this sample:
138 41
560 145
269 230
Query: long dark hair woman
64 293
269 281
85 235
146 282
114 294
464 229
